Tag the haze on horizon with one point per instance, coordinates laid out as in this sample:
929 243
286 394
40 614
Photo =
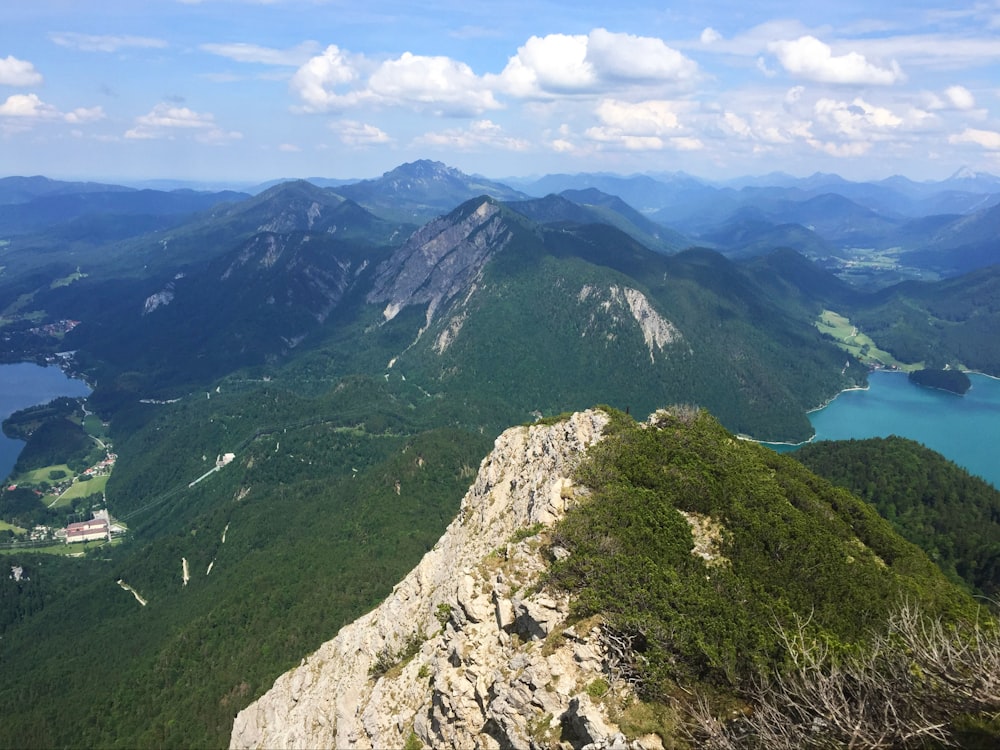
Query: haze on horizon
249 90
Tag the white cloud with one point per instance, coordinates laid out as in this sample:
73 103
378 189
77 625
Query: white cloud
814 60
857 120
650 125
987 139
355 133
14 72
556 63
27 106
288 148
625 57
710 36
960 97
84 114
560 64
316 80
104 43
638 118
482 133
440 84
737 125
165 120
253 53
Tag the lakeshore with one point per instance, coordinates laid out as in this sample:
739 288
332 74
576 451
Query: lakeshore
965 430
27 384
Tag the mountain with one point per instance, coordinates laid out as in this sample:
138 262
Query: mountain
79 210
15 190
604 567
930 501
298 392
422 190
960 244
548 318
948 322
749 237
594 207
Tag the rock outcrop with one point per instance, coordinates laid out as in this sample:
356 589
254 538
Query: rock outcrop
468 650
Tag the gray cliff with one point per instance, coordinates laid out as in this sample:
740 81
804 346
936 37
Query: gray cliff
468 651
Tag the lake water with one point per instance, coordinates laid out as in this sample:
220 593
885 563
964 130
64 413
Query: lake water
965 429
26 384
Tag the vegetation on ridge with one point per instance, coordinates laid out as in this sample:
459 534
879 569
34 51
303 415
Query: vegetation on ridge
703 553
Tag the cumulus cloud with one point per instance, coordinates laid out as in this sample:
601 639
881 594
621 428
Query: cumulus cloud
544 68
27 106
710 35
625 57
560 64
354 133
288 148
166 120
857 120
253 53
987 139
104 43
440 85
14 72
316 81
960 97
482 133
639 118
30 107
84 114
650 125
812 59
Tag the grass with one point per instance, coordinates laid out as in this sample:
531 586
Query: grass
95 427
37 476
82 489
858 344
4 526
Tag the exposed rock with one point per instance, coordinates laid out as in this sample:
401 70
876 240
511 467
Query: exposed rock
439 260
617 304
496 665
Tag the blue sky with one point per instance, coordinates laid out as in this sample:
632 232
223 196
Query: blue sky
248 90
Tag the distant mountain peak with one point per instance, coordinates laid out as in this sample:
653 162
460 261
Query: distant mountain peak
423 168
964 172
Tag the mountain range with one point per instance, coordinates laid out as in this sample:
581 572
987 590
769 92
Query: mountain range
357 347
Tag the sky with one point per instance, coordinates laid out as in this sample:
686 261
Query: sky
242 91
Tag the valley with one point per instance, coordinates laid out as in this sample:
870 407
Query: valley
295 390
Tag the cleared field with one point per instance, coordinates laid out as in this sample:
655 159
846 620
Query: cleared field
82 489
42 475
859 344
4 526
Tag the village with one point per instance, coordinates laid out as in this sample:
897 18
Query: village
80 493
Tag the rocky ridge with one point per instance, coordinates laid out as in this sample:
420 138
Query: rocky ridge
467 651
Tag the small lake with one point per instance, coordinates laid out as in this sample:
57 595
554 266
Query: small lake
965 429
27 384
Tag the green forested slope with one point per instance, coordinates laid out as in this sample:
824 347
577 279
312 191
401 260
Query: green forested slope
321 517
715 563
952 515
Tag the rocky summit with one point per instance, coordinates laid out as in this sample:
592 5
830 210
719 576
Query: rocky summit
454 655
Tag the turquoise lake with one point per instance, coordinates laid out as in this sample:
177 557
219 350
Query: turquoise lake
965 429
26 384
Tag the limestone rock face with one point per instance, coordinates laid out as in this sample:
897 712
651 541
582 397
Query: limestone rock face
466 651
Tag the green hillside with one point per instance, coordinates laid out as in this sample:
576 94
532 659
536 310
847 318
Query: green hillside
952 515
715 563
